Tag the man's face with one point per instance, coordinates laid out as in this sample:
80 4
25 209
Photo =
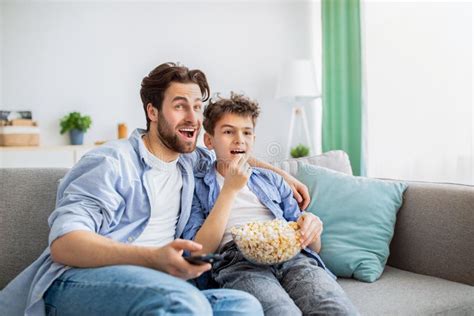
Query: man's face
180 118
233 136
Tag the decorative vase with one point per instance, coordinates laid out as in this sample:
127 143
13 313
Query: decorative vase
122 130
77 137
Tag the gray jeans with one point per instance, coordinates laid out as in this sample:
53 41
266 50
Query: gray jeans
298 286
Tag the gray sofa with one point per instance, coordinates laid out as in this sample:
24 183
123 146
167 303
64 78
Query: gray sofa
430 270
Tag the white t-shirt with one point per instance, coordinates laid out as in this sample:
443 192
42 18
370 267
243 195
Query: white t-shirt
246 208
164 184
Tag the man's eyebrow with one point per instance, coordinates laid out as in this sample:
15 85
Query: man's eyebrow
178 98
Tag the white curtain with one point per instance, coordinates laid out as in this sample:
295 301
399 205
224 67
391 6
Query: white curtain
418 76
315 110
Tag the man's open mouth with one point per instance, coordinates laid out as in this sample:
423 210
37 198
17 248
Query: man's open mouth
187 132
237 152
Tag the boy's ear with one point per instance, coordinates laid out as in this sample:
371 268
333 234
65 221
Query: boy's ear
208 141
151 112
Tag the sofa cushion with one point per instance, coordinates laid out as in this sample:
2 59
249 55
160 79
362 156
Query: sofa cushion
434 234
399 292
24 215
335 159
359 218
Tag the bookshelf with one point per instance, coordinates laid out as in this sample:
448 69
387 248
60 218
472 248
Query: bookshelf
42 156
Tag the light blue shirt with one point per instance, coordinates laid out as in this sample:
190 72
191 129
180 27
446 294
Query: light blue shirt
105 193
270 189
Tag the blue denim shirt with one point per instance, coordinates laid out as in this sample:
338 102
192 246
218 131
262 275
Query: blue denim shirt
270 189
105 193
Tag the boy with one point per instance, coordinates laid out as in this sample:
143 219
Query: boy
232 193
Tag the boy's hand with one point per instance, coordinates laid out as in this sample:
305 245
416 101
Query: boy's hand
170 259
238 173
300 191
311 228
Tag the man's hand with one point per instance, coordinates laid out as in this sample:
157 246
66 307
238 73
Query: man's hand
85 249
311 229
170 259
300 191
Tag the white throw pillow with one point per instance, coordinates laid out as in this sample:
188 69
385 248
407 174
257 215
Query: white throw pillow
336 160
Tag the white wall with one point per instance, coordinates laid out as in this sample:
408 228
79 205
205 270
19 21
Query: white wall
1 52
418 59
91 57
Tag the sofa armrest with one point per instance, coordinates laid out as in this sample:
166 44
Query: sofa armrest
434 233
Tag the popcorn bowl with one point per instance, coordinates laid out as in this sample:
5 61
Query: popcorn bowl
268 242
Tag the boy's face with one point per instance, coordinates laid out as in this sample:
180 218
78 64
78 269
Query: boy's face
233 136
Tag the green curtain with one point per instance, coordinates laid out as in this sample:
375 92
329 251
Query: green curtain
342 79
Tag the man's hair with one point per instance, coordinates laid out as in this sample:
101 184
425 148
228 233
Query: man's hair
236 104
159 79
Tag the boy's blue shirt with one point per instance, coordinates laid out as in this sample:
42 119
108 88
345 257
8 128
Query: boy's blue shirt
268 186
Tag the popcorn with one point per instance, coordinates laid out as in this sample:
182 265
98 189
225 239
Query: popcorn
268 242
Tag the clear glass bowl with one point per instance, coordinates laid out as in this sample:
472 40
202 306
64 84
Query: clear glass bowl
268 242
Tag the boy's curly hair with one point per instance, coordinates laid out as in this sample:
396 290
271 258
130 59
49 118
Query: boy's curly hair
237 104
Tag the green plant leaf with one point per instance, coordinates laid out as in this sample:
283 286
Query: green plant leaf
299 151
75 120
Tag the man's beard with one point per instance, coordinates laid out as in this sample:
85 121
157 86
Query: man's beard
171 139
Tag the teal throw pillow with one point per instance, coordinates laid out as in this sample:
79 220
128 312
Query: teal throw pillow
358 216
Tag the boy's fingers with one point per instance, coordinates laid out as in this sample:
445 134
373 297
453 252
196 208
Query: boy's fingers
249 169
243 159
309 234
305 224
310 238
235 160
247 157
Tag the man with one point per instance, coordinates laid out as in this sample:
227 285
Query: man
112 245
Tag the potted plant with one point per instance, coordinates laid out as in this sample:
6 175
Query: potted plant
299 151
77 125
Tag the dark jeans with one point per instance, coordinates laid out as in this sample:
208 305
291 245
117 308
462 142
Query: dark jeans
298 286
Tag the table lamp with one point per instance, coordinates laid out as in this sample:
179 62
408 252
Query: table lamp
297 85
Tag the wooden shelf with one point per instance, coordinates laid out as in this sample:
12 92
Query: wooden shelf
42 156
56 147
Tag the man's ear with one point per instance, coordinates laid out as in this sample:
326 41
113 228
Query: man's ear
208 141
152 112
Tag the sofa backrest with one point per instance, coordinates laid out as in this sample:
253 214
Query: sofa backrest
27 198
434 232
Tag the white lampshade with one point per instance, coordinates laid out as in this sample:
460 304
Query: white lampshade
297 81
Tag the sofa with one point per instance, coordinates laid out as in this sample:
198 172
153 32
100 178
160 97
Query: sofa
430 270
